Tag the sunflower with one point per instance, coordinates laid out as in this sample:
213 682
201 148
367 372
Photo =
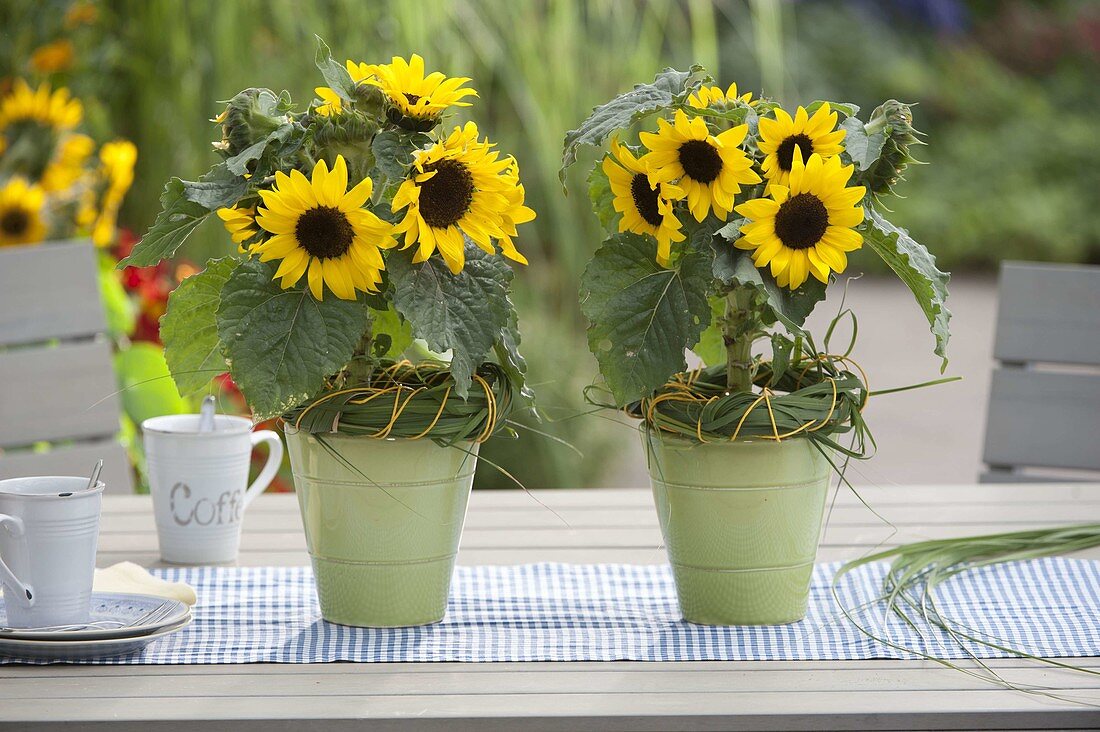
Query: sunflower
644 201
116 165
21 207
713 96
710 168
241 225
806 228
780 137
417 101
53 57
56 110
460 188
331 104
321 230
67 166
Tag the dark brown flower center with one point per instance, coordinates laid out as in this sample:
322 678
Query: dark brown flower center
700 160
785 153
446 196
645 199
14 222
324 232
801 221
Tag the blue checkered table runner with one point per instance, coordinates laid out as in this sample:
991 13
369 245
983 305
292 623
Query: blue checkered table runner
614 612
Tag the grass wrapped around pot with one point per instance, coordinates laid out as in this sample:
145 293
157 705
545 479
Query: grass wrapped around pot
407 400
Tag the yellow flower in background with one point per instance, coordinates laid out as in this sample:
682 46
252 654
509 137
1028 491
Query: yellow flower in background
780 137
81 13
644 202
806 228
713 96
710 168
116 170
321 230
417 100
460 188
53 57
21 206
68 165
56 110
241 225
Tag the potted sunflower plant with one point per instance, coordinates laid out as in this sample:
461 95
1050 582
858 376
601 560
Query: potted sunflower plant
726 221
367 237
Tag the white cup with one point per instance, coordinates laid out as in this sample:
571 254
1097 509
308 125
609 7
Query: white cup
49 528
198 481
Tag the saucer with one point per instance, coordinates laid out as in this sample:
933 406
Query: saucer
69 650
106 606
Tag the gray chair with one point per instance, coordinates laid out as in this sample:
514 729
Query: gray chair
1044 403
59 411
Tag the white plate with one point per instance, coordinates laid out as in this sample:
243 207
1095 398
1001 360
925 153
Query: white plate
114 606
59 650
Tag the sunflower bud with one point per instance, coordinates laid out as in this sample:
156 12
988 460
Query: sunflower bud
249 117
896 121
349 135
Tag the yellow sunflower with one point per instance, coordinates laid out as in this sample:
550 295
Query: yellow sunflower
56 110
805 229
713 96
644 202
21 207
53 57
710 168
116 161
67 166
331 103
780 137
241 225
321 230
460 188
417 101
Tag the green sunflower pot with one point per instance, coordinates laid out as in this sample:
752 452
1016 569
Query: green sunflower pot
383 520
741 522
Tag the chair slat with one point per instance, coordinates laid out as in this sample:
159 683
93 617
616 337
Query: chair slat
1048 312
49 291
76 459
63 392
1043 419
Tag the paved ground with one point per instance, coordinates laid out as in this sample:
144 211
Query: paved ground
931 435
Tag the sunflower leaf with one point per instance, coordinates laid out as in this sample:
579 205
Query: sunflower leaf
336 76
732 267
281 344
392 334
711 347
189 327
175 222
916 267
669 88
861 148
462 313
642 316
393 154
603 199
509 357
217 189
846 108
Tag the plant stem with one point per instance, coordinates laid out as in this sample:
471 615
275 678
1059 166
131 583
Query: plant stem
739 330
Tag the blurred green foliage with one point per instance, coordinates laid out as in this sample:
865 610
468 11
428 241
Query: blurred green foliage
1008 98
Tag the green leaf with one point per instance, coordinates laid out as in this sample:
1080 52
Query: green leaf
463 313
175 222
239 163
282 344
189 327
733 266
603 200
782 347
145 384
392 333
642 316
217 189
336 75
845 108
711 347
668 88
393 154
506 349
861 148
120 310
917 269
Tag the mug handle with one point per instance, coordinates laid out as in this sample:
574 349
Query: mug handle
23 591
274 460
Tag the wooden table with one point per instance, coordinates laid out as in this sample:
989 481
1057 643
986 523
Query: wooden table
604 526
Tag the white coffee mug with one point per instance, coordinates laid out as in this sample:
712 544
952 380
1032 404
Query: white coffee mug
198 481
49 528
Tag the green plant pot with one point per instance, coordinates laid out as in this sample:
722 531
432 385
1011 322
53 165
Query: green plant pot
741 522
383 520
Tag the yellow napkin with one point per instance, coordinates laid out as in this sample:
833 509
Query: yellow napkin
129 577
